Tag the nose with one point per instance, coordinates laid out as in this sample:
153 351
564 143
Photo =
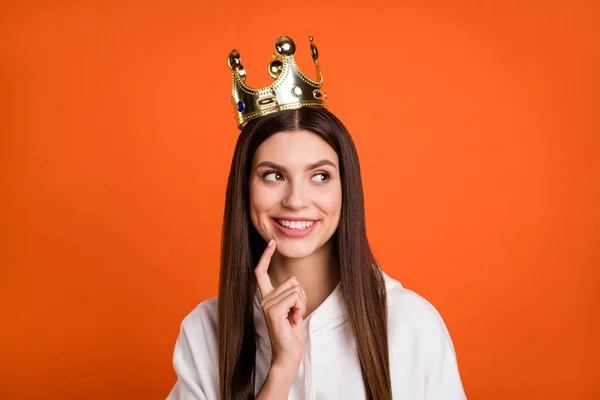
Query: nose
295 197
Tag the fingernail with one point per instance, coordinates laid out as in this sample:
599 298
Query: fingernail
271 243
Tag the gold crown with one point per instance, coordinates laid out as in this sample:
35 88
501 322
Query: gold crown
291 88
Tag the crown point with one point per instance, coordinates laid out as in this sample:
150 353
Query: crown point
275 68
234 59
310 38
285 46
314 51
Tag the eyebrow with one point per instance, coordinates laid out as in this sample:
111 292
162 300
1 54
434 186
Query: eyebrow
318 164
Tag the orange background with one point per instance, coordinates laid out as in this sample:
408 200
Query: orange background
477 126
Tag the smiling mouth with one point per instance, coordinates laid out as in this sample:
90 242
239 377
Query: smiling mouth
295 229
298 225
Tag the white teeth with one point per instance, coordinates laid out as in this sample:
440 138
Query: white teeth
300 225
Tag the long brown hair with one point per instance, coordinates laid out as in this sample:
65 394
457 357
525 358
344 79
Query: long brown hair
362 283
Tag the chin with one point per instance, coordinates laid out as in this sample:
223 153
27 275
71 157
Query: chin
295 250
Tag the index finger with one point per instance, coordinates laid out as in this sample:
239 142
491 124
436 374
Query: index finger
264 282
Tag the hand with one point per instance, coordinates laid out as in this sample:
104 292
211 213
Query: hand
284 308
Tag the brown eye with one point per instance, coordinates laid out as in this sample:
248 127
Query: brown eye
324 177
273 176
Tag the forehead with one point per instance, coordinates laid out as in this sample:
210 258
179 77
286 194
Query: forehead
295 148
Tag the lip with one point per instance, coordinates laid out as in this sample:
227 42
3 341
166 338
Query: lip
295 219
295 233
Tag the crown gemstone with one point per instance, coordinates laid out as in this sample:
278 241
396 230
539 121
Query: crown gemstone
296 91
318 94
240 106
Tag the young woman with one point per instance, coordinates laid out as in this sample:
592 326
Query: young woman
304 311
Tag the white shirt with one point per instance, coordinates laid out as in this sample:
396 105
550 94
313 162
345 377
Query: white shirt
422 359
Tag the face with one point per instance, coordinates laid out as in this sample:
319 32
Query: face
295 192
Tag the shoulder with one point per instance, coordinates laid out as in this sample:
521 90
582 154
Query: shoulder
410 314
197 340
202 320
420 346
195 358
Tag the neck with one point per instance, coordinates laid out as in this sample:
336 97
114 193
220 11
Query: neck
318 274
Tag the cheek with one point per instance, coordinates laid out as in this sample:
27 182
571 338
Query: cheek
261 201
331 203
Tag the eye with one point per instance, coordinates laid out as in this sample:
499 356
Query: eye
273 176
324 177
